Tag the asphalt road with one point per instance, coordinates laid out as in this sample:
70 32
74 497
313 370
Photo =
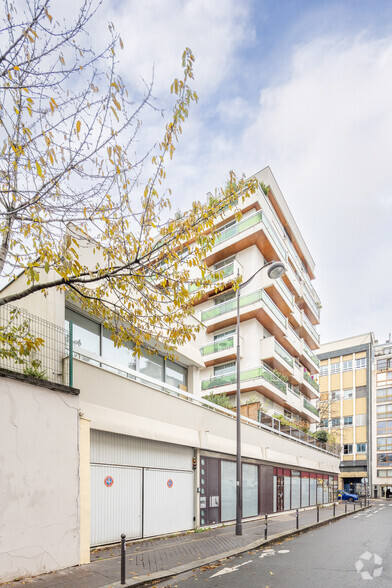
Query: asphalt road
353 552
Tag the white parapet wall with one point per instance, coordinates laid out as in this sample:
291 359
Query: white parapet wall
39 490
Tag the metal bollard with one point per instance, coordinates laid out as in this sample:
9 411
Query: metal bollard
318 513
297 519
354 504
345 507
266 527
334 507
123 558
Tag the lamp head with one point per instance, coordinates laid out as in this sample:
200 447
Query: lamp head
276 270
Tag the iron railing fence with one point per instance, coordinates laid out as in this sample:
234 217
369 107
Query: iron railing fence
33 346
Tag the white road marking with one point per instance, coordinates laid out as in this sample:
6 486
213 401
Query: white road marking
229 570
284 551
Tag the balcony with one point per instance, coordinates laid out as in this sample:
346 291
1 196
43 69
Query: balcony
308 305
310 410
280 294
293 341
276 356
221 350
309 386
251 230
309 333
228 273
259 378
309 359
255 304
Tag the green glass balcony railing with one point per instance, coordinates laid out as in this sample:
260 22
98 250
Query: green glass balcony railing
225 271
249 222
251 374
245 300
287 295
219 345
310 328
238 228
311 303
310 354
281 351
310 407
311 381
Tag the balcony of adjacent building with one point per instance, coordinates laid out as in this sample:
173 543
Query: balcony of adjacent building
257 379
256 304
222 349
253 229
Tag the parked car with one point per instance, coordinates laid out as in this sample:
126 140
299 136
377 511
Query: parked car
342 495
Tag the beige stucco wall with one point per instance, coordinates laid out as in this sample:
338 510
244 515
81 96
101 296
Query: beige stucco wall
39 490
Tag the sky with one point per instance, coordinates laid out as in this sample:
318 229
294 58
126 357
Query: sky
302 86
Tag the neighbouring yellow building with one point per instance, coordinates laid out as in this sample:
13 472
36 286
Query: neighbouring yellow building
345 407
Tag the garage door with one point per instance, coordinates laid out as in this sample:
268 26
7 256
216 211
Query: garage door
116 503
168 501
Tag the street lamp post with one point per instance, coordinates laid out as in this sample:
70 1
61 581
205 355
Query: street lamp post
275 270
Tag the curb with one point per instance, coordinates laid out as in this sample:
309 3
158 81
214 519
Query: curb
148 579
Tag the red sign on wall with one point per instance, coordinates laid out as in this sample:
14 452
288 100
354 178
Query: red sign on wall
108 481
170 483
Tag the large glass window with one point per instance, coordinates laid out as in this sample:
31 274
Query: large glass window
323 370
224 368
384 473
151 365
384 443
335 422
335 368
384 428
361 447
384 394
250 490
347 365
384 459
287 489
224 297
224 335
347 448
86 332
360 363
228 490
312 490
331 489
384 410
320 489
295 489
348 421
176 375
304 489
325 490
120 355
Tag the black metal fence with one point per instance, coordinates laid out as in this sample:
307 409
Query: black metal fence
33 346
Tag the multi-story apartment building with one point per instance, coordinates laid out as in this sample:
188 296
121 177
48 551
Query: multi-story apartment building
345 406
278 336
382 420
111 443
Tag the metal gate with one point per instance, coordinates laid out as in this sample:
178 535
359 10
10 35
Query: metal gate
168 502
116 503
139 487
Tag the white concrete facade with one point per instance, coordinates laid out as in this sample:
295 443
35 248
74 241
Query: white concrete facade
278 318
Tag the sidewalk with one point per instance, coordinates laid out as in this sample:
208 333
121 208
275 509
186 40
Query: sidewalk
188 550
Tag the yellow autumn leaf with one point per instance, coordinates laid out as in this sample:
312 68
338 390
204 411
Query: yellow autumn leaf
39 170
78 125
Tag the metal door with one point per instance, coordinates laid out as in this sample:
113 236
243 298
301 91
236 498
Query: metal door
116 503
168 501
280 494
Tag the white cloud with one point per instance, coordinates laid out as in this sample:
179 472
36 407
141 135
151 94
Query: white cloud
326 132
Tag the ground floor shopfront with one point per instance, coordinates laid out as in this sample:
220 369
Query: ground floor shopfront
265 489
